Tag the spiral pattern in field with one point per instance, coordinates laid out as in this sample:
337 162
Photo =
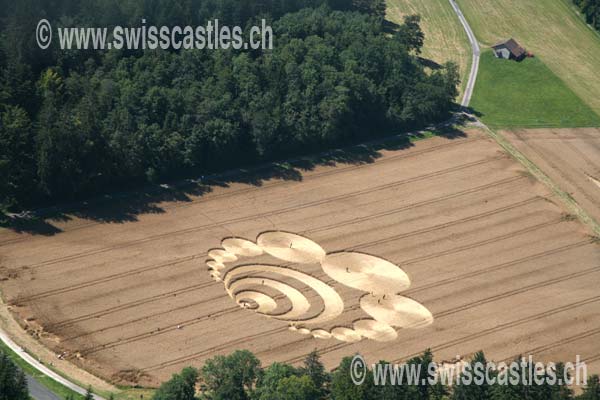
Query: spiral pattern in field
287 293
333 304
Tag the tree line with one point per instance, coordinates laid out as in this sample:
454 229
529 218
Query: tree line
78 123
239 376
590 10
13 384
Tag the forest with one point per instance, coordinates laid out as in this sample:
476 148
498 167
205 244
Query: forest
591 11
77 123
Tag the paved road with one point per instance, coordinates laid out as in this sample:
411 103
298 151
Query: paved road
43 369
37 391
476 54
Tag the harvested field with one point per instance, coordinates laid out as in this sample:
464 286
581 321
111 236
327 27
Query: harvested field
478 254
571 157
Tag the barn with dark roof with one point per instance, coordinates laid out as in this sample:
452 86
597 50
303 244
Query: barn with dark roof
509 49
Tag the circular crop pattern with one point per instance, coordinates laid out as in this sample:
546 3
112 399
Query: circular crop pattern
365 272
397 311
375 330
290 247
288 293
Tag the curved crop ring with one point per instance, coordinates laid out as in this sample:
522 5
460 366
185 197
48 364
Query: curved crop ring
266 288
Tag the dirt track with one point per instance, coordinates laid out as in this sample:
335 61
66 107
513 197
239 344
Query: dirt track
495 260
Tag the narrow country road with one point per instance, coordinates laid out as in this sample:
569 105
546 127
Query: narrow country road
476 54
39 393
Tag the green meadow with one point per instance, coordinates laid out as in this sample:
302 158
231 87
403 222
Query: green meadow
526 94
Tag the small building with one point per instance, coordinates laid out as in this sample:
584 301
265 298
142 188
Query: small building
509 49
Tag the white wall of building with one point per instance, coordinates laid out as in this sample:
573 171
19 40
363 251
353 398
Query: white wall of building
502 53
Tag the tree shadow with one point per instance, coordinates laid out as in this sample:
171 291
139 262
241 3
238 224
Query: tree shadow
389 26
430 63
451 132
128 206
28 224
469 114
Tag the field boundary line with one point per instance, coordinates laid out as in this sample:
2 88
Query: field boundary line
571 204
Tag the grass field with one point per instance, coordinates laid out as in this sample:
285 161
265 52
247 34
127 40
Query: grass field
445 39
527 94
551 30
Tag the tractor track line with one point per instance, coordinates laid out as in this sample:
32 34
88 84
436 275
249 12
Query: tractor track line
553 345
187 322
511 293
169 311
434 228
466 306
496 267
211 350
234 193
508 325
149 334
592 359
202 285
555 168
108 278
189 258
476 244
463 307
261 215
568 201
122 307
576 150
418 205
159 331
